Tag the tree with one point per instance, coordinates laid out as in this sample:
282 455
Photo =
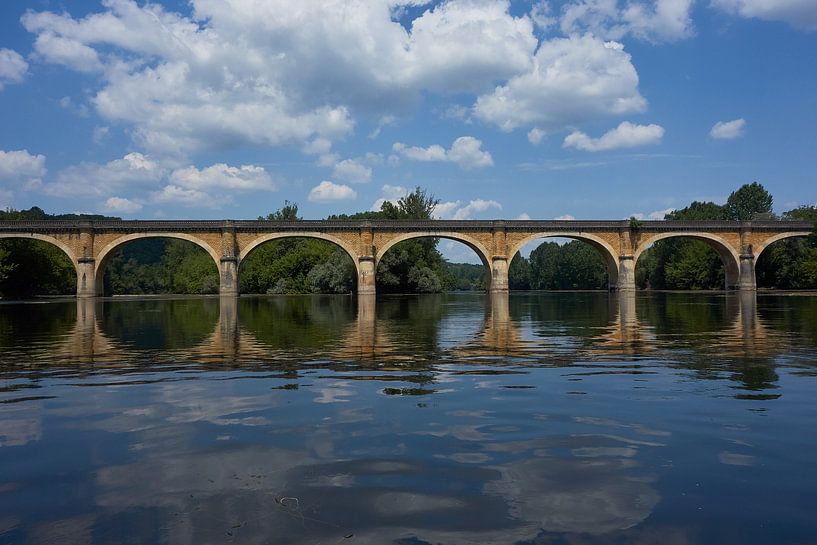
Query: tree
750 201
519 274
289 212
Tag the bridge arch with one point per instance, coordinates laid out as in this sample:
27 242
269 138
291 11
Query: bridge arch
730 256
258 241
608 254
53 241
478 247
771 240
104 254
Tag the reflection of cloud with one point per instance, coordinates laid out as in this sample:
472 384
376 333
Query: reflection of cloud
18 428
69 531
571 496
735 459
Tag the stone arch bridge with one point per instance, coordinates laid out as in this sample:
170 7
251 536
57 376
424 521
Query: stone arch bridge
90 243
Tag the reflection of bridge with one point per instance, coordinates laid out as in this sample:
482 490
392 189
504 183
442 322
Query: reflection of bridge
368 339
90 244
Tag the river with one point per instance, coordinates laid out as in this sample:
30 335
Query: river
546 418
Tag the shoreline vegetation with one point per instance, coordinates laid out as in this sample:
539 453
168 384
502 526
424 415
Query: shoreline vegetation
33 268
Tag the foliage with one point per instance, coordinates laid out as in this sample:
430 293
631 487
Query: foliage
635 223
681 263
519 273
336 275
468 276
750 201
34 267
791 263
288 212
575 265
155 266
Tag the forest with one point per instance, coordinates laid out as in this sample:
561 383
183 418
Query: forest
31 268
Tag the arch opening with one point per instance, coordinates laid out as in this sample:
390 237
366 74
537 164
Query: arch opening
36 265
787 261
413 263
160 264
686 261
281 264
568 262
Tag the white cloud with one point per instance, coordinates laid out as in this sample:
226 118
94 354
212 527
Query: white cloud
652 20
67 52
565 217
728 130
535 136
186 197
350 170
655 215
523 216
626 135
221 176
572 80
465 151
13 67
327 191
391 193
453 210
121 205
22 166
274 72
134 170
801 14
278 73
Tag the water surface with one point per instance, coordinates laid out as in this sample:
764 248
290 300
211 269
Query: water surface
576 418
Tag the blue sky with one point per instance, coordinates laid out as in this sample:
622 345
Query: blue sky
574 109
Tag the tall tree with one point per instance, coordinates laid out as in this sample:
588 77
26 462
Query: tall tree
749 202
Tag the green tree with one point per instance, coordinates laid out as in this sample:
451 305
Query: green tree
575 265
519 274
681 263
288 212
750 201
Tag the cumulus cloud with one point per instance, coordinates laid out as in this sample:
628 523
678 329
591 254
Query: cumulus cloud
653 21
272 72
572 80
351 170
568 217
173 194
13 67
391 193
523 216
465 151
134 170
121 205
728 130
222 176
626 135
801 14
21 165
326 192
655 215
275 73
535 136
455 211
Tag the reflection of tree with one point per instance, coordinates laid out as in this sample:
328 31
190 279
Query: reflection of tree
284 323
147 324
24 325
